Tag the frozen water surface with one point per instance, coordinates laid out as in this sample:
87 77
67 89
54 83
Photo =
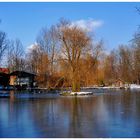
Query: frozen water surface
106 113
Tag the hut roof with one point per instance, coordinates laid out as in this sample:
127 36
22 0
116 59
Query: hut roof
119 79
4 70
21 74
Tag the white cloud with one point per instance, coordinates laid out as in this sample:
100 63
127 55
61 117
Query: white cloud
32 47
88 25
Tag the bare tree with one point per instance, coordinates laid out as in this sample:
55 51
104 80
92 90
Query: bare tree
38 63
74 41
136 57
111 67
3 44
125 63
90 73
15 56
137 64
32 56
48 41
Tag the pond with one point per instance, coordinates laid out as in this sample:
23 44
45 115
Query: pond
103 114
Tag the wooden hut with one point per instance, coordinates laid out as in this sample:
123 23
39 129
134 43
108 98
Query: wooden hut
22 79
119 83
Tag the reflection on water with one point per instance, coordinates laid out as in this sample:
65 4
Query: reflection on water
113 114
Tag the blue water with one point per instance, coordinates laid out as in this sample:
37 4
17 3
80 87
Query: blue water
104 114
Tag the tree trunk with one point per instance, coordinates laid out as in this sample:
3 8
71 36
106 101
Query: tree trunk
75 86
75 81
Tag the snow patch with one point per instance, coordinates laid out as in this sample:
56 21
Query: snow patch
80 93
134 86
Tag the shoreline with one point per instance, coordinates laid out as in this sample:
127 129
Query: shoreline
131 86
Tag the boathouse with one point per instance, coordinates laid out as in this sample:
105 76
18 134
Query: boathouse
22 79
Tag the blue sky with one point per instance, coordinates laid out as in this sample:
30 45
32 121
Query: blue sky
118 21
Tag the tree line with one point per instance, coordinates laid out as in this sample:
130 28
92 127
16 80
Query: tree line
66 55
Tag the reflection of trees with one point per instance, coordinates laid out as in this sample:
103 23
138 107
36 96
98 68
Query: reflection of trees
27 117
12 97
76 121
72 116
44 116
123 111
119 103
86 117
82 114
